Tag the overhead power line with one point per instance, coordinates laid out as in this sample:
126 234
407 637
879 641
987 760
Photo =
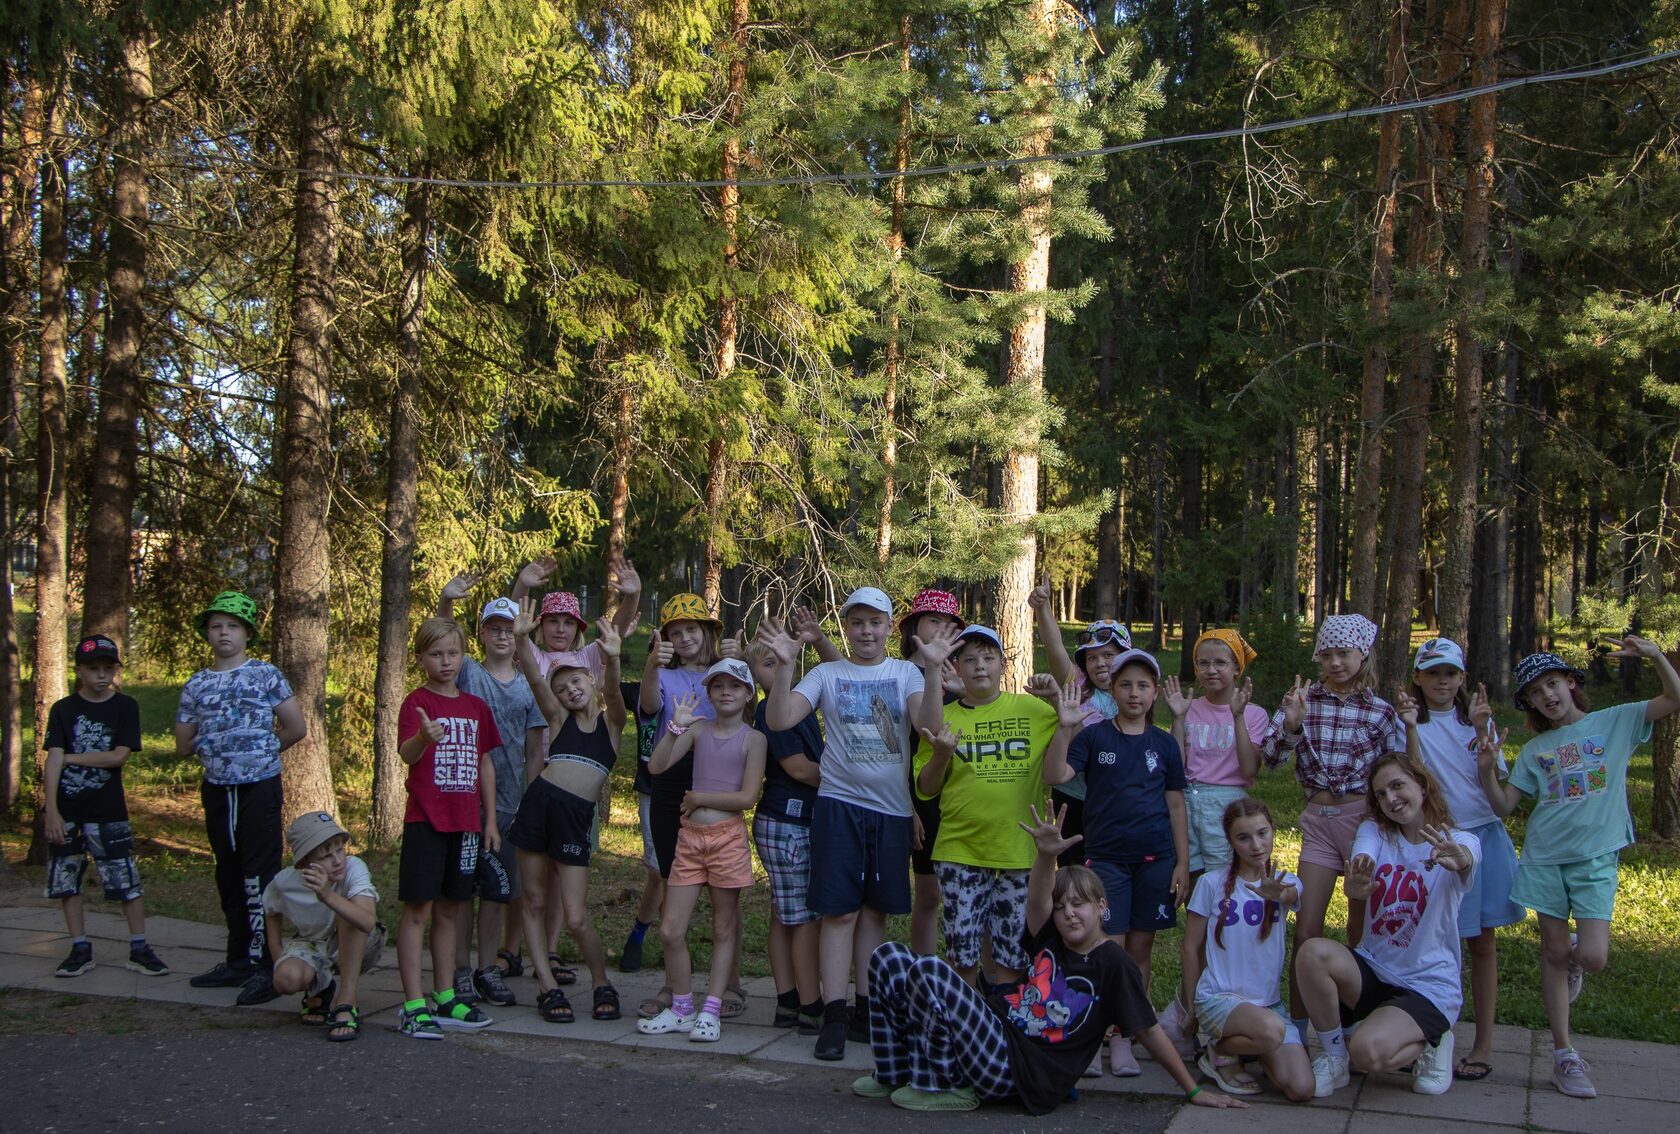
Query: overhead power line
1246 131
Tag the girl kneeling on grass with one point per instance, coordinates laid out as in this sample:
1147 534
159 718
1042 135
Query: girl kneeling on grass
1576 770
1401 984
558 808
713 849
940 1045
1232 975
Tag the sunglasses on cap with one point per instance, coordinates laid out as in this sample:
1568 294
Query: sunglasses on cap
1104 634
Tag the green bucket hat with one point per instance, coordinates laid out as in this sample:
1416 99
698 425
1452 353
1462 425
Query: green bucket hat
234 603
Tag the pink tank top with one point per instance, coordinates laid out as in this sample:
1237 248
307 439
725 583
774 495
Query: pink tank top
720 764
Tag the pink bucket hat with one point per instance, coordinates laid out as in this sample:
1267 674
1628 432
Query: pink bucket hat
563 602
931 601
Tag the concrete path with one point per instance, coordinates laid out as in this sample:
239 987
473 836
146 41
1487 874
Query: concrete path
1639 1083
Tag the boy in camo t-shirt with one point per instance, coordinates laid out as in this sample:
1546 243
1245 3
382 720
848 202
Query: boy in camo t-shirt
238 716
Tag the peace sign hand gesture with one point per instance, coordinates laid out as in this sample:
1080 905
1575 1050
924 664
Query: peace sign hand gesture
1488 747
1445 852
1295 705
1406 706
1046 829
944 742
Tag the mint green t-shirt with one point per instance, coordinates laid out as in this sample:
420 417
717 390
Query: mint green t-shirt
1578 778
992 782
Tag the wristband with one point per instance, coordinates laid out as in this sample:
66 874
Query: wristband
1192 1092
676 730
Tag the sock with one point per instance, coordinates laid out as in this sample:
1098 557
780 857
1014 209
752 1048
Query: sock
714 1005
137 942
863 1007
834 1010
637 932
788 999
1334 1042
81 941
814 1008
683 1005
1558 1053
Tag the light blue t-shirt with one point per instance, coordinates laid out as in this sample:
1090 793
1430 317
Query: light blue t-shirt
1577 775
234 712
515 708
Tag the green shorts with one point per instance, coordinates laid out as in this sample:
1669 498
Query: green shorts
1561 890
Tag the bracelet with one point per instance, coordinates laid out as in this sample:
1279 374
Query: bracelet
1193 1092
676 730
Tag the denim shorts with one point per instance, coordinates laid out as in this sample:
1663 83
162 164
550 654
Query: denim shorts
1487 903
1204 807
1213 1011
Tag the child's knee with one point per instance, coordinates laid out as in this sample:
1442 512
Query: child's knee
1271 1030
1365 1053
1313 955
1592 956
292 976
416 914
672 935
1556 951
1298 1087
577 920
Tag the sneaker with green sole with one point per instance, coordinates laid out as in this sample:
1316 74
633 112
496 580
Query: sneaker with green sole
957 1098
869 1087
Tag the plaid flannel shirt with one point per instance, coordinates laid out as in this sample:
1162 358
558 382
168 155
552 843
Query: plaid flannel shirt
1338 742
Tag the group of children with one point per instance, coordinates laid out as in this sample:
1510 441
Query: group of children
921 767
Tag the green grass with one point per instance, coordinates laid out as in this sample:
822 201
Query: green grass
1637 997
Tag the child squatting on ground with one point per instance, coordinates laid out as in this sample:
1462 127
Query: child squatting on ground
328 899
90 736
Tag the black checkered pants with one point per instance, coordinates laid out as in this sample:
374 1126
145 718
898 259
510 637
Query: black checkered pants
931 1029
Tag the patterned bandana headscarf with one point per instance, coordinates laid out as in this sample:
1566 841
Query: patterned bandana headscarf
1240 649
1346 632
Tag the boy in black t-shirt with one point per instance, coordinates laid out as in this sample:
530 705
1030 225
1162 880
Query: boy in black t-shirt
90 734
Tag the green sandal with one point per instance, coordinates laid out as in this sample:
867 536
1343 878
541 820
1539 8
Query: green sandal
344 1024
315 1015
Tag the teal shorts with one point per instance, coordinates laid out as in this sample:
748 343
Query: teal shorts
1569 889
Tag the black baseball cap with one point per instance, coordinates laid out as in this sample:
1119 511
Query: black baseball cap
97 647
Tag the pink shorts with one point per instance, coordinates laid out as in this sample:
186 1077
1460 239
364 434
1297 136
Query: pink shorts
713 854
1327 833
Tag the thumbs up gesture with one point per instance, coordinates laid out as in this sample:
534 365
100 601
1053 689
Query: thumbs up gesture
430 729
659 648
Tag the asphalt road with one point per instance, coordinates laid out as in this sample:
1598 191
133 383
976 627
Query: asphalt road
223 1075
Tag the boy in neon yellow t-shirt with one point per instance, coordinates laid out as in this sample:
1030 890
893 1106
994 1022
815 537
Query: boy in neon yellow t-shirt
987 766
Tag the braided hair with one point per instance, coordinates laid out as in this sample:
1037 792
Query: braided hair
1241 809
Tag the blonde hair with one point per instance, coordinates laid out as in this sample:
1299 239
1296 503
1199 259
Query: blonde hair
434 630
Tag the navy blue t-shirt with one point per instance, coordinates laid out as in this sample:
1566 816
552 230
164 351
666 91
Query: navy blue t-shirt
1127 778
785 799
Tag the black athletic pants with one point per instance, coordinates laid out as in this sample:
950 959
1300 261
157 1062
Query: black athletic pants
243 821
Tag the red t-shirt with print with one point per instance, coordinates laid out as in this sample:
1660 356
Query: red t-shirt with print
443 783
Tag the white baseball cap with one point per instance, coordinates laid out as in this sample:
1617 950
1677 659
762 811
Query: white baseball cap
503 607
872 597
729 667
978 633
1439 652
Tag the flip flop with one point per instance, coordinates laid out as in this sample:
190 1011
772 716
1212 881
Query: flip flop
1472 1070
655 1004
734 1002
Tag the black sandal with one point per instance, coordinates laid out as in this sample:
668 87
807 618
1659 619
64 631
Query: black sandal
554 1008
344 1024
561 974
315 1015
515 965
606 1003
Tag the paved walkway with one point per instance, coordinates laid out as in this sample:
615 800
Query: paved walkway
1639 1083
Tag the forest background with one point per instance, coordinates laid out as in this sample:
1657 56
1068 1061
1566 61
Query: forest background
329 301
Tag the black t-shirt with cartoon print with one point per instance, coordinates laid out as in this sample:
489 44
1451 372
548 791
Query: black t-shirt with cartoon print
75 724
1061 1011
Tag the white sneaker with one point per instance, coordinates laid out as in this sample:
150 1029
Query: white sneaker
1174 1021
1432 1073
706 1029
1094 1071
1577 976
1122 1061
1330 1073
666 1021
1569 1075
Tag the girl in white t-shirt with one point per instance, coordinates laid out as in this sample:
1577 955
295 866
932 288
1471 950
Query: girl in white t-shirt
1232 974
1410 867
1447 724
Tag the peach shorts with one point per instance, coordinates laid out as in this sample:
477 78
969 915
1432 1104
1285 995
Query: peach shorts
1327 833
713 854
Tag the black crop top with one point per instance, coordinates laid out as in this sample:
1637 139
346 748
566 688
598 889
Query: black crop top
598 749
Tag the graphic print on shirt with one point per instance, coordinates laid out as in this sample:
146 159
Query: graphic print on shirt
1253 912
1204 735
1048 1006
455 757
997 751
1574 771
1399 895
89 735
874 728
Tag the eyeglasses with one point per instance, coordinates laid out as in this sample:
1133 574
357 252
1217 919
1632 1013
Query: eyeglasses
1104 634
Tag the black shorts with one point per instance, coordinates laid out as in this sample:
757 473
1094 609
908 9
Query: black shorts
1073 823
927 810
863 860
664 822
1374 993
436 864
554 822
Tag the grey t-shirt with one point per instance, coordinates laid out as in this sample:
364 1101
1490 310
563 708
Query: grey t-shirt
514 707
866 719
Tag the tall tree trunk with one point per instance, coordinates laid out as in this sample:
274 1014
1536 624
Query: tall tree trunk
894 351
1464 463
51 622
303 572
1490 661
618 496
729 203
402 493
1367 504
17 210
1029 275
110 532
1190 503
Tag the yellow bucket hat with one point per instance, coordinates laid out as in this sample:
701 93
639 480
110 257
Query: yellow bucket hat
686 607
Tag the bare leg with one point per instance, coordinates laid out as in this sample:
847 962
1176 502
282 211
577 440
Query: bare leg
352 947
1554 977
491 915
1318 883
806 969
1139 944
444 915
293 976
1258 1033
780 948
463 934
673 934
726 932
871 932
835 955
1387 1040
75 916
574 900
134 912
1484 991
653 894
924 915
513 927
411 934
533 868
